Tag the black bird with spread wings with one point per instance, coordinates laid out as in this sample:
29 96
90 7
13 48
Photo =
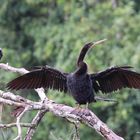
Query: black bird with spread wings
81 85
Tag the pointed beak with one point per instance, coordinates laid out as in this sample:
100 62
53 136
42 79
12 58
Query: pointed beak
98 42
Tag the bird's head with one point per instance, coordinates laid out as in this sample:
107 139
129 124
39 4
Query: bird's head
86 48
93 44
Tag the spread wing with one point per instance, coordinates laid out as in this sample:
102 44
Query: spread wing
45 77
115 78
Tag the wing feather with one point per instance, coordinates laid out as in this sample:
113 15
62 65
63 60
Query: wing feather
45 77
115 78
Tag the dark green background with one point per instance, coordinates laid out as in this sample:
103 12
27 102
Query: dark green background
40 32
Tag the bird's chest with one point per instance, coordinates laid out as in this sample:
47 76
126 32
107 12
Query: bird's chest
79 86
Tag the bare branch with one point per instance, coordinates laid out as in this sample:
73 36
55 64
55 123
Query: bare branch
14 125
1 109
12 97
11 103
114 3
76 135
84 116
12 69
19 137
73 115
25 103
35 121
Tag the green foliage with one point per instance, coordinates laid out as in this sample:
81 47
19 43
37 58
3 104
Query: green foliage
40 32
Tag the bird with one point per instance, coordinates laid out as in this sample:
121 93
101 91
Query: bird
80 84
1 53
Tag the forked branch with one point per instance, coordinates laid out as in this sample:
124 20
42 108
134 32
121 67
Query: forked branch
73 115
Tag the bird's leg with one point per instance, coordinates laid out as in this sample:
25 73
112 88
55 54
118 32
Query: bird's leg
77 106
81 111
77 109
87 105
85 110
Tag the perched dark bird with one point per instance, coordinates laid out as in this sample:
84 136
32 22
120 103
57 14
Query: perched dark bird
1 54
81 85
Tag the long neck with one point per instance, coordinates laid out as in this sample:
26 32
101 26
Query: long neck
83 53
82 69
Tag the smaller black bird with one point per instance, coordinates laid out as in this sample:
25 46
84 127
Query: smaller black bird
1 53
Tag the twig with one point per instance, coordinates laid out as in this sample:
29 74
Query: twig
11 103
1 109
14 125
41 93
12 99
77 135
35 121
19 137
12 69
34 105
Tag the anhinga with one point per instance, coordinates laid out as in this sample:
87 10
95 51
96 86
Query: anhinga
81 85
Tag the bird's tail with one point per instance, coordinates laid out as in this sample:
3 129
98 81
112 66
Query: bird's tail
97 98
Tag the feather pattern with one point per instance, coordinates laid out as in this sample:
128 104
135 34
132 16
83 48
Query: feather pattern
45 77
115 78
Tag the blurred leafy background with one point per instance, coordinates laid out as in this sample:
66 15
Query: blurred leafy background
52 32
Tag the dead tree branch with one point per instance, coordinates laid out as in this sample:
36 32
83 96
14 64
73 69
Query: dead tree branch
35 121
19 137
14 125
73 115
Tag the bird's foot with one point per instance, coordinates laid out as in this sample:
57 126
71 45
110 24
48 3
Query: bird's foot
77 109
86 107
81 111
